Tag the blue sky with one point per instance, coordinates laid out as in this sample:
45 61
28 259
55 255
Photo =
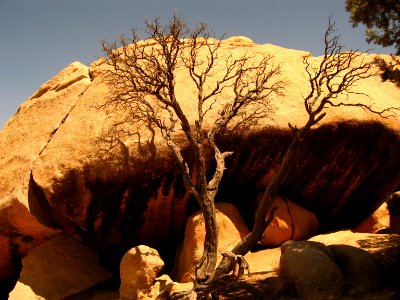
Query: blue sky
40 37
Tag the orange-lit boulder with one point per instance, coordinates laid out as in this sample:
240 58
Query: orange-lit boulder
138 272
231 229
290 222
379 220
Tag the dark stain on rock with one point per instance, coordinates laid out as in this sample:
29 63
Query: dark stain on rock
344 171
347 170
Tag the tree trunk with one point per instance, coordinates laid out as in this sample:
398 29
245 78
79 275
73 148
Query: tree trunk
260 222
208 261
206 266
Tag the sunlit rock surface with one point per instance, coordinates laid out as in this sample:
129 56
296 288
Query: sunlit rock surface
58 153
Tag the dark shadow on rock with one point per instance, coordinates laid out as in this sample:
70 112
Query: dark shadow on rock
387 248
361 270
61 267
344 172
38 205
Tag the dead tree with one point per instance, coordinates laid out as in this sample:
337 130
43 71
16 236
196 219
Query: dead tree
142 77
337 74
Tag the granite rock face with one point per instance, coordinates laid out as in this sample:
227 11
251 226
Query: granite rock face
139 268
290 222
231 230
22 140
58 269
309 269
313 270
72 173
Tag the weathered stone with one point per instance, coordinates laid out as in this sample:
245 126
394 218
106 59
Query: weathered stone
138 271
290 222
22 140
309 268
19 233
231 230
182 287
386 247
164 287
148 195
379 220
31 129
161 283
24 292
58 269
59 152
361 270
264 260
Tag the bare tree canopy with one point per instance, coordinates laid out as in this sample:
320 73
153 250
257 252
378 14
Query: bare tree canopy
143 78
335 75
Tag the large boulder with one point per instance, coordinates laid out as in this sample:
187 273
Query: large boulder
263 261
138 272
58 269
386 247
117 184
361 270
290 222
115 191
231 230
316 271
24 222
309 269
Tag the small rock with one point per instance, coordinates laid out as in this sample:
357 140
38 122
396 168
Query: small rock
290 222
264 260
231 230
361 270
309 269
138 271
183 287
160 284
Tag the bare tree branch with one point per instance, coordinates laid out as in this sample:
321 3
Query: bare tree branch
142 78
336 75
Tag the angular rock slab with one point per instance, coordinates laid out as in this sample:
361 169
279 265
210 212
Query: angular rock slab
57 269
386 247
362 271
22 140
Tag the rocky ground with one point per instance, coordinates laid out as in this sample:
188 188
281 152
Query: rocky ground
270 284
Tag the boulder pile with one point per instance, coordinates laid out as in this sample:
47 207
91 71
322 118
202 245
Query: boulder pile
63 167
